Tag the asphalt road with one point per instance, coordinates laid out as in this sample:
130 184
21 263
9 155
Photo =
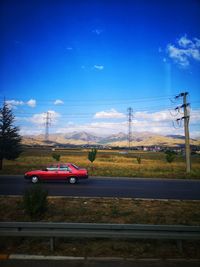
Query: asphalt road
136 263
109 187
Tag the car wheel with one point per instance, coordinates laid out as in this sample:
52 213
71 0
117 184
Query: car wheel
34 179
72 180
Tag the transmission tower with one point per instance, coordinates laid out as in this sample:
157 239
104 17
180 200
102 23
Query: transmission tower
130 118
47 124
186 118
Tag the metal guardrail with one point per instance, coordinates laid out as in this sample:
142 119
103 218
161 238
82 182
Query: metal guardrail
94 230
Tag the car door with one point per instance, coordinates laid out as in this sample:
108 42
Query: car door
51 172
63 172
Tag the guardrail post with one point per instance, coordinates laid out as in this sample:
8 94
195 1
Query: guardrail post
52 244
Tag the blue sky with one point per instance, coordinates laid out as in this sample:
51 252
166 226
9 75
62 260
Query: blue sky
87 62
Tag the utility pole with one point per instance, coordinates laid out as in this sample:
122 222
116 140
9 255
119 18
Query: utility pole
47 124
130 117
186 119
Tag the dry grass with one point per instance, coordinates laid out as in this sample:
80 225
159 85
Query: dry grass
103 210
107 210
108 163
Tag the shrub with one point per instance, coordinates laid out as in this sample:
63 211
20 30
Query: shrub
139 160
35 201
56 156
170 156
92 155
115 211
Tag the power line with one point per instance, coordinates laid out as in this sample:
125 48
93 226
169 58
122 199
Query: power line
91 102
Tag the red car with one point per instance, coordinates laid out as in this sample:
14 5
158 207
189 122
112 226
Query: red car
61 171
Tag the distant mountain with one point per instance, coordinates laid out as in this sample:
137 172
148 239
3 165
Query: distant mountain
180 137
176 136
82 136
120 139
114 138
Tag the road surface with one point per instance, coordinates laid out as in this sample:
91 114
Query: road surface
102 263
109 187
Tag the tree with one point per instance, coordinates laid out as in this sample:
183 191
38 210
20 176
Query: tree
56 156
139 159
10 140
92 155
35 201
170 156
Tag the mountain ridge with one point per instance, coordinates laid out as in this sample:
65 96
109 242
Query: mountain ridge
115 140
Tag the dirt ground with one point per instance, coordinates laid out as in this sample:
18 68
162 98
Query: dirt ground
104 210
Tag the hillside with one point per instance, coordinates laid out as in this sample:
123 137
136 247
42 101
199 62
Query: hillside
120 140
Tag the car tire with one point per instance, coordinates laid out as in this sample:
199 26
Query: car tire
72 180
34 179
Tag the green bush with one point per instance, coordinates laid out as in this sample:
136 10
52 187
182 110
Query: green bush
56 156
92 155
35 201
139 160
170 156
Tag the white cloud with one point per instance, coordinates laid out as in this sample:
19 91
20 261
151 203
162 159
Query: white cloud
185 42
197 42
42 117
195 116
99 67
14 103
25 130
31 103
156 122
110 114
178 55
184 51
107 128
156 116
58 102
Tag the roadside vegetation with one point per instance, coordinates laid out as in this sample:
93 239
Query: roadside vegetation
99 210
103 210
35 205
108 163
10 140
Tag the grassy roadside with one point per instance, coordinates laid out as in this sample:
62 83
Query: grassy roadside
104 210
108 163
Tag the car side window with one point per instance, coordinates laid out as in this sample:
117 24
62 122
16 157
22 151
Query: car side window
52 168
64 168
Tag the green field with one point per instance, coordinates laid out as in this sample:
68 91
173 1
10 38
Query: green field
107 163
